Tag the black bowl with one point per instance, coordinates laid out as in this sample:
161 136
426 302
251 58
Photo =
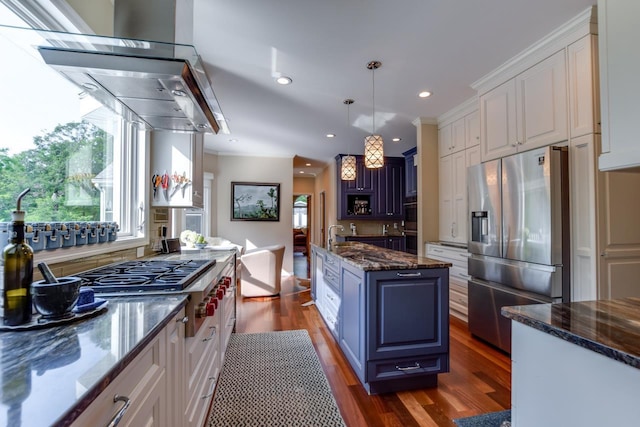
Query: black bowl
55 300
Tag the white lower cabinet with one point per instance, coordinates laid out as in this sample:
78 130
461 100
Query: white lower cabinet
142 388
172 381
458 276
203 366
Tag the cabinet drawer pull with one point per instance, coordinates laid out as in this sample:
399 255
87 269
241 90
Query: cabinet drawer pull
118 416
464 276
408 368
438 250
211 390
185 320
418 274
210 337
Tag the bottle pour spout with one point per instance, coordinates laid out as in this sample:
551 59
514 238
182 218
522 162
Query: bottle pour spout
20 198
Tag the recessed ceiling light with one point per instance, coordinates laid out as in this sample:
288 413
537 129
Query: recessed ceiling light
301 171
331 135
424 94
284 80
307 164
178 92
396 139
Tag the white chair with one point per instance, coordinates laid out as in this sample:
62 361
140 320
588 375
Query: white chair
260 272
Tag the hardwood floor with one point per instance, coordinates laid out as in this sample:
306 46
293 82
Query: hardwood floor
479 381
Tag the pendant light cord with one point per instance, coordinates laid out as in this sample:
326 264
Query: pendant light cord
373 105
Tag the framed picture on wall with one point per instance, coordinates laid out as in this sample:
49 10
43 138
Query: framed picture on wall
255 201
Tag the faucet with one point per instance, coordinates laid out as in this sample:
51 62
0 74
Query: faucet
329 240
385 229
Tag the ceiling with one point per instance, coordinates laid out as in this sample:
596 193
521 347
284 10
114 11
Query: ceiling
437 45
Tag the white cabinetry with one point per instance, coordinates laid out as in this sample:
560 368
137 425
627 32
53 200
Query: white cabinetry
526 112
584 108
203 366
461 152
177 159
472 129
457 276
460 134
453 198
176 387
619 88
143 383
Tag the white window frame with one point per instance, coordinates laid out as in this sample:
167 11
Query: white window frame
57 15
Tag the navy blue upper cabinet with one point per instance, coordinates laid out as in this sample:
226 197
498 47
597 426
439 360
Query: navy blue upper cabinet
411 173
375 194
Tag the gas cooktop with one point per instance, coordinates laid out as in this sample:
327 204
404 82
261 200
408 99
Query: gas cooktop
145 276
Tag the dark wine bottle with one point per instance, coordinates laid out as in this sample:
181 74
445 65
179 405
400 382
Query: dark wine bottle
18 272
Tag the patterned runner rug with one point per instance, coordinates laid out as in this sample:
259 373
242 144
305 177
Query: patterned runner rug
273 379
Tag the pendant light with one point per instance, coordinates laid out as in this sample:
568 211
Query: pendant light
348 165
373 144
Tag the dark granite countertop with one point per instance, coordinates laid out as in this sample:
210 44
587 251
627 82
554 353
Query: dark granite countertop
50 375
374 258
608 327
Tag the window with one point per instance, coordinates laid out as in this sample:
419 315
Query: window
300 212
196 219
80 160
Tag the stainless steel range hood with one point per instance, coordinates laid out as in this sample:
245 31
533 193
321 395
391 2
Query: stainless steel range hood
157 85
161 86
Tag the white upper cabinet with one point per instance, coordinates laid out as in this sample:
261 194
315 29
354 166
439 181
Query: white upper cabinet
177 170
444 140
541 98
458 136
526 112
619 87
584 111
472 129
498 121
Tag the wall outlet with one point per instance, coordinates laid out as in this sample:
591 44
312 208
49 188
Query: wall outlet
140 251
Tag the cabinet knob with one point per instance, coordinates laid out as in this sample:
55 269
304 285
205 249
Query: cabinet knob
515 144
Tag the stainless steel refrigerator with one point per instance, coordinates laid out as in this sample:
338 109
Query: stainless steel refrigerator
518 237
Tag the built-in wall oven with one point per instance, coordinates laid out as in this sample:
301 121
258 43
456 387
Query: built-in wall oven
411 224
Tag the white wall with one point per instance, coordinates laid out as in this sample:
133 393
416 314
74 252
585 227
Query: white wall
254 233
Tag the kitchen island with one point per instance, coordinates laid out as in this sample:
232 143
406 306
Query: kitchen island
575 363
388 311
136 348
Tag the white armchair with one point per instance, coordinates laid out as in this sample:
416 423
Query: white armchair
260 273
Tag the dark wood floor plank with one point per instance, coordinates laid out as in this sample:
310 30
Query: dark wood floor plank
479 381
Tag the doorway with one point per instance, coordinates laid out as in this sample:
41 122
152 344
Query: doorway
301 235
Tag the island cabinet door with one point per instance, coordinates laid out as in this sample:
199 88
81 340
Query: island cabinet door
408 313
351 332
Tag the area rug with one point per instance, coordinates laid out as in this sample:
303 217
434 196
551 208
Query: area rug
273 379
492 419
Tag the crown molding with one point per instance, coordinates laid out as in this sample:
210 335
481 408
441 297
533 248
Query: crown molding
469 106
424 121
583 24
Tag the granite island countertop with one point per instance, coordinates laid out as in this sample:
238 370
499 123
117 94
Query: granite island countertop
607 327
50 375
374 258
